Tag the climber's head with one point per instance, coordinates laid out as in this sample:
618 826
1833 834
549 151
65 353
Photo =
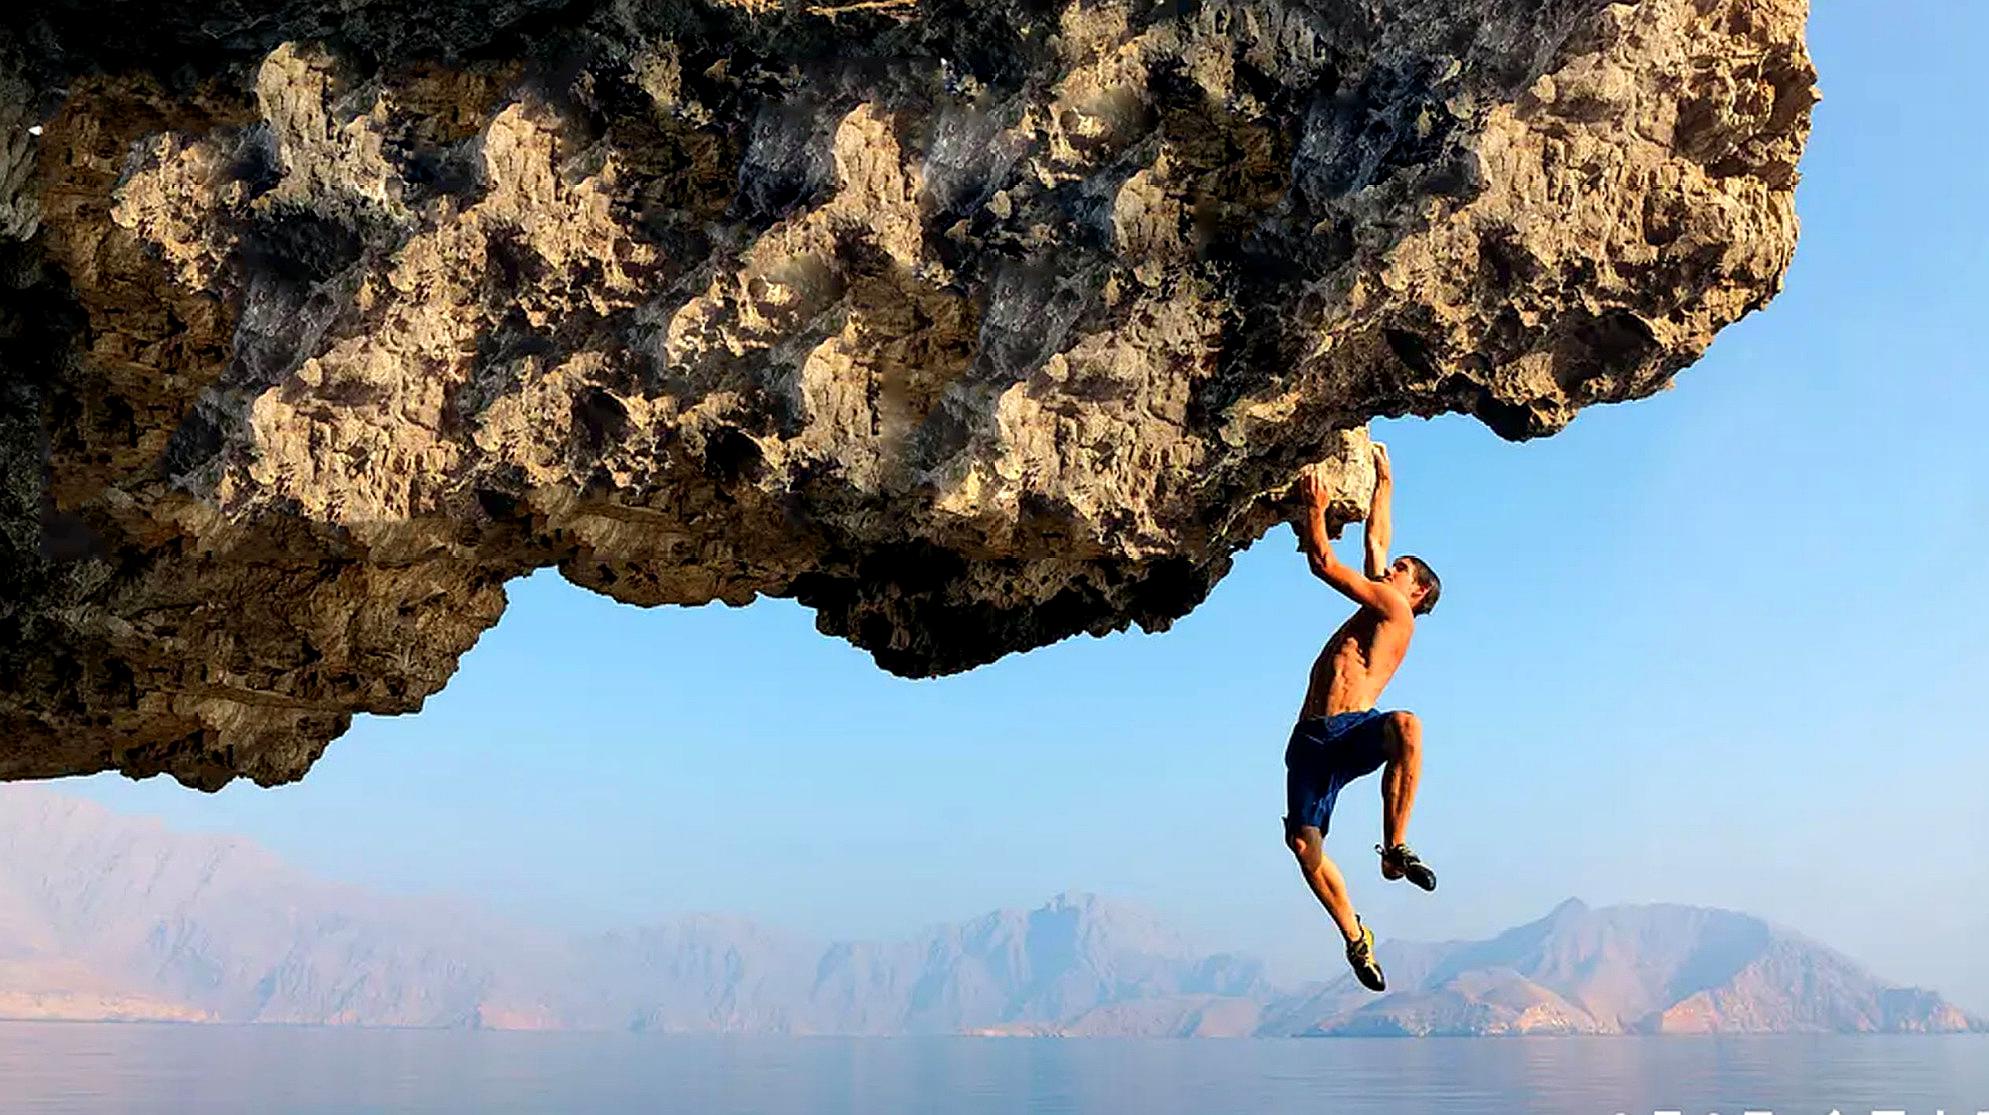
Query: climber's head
1413 578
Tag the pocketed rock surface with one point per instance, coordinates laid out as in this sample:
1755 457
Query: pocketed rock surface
971 326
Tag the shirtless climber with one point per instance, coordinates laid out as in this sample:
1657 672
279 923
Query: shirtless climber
1340 735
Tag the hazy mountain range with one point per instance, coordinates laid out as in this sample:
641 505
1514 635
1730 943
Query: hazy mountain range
108 917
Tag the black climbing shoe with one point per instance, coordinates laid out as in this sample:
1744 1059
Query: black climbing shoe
1401 863
1360 954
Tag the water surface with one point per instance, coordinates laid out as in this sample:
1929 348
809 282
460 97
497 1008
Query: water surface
266 1070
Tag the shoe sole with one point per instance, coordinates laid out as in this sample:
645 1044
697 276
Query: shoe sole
1380 983
1430 875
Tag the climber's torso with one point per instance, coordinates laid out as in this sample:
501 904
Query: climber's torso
1356 664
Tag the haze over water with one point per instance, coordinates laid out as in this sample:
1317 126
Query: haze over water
221 1070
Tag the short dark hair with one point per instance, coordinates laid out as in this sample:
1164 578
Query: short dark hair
1426 577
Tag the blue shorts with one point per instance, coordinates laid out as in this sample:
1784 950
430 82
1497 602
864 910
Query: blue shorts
1326 753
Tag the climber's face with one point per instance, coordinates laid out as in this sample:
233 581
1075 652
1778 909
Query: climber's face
1402 575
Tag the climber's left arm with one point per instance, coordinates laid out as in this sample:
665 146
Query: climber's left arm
1380 528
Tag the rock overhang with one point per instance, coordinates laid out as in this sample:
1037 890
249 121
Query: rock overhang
970 326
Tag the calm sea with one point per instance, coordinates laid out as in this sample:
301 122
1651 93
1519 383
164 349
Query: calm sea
270 1070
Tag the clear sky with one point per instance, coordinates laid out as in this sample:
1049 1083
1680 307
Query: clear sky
1724 646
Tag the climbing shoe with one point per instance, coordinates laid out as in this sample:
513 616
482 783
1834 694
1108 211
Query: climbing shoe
1360 954
1401 863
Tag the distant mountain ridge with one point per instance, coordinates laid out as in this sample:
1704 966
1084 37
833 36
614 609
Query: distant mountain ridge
1625 969
107 917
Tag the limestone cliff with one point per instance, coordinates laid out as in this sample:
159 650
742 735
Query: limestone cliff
970 324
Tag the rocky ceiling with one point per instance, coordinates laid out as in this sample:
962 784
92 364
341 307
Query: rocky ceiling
970 325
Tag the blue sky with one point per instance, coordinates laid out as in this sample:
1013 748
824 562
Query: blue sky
1723 646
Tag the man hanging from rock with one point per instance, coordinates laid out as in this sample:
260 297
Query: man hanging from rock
1340 735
